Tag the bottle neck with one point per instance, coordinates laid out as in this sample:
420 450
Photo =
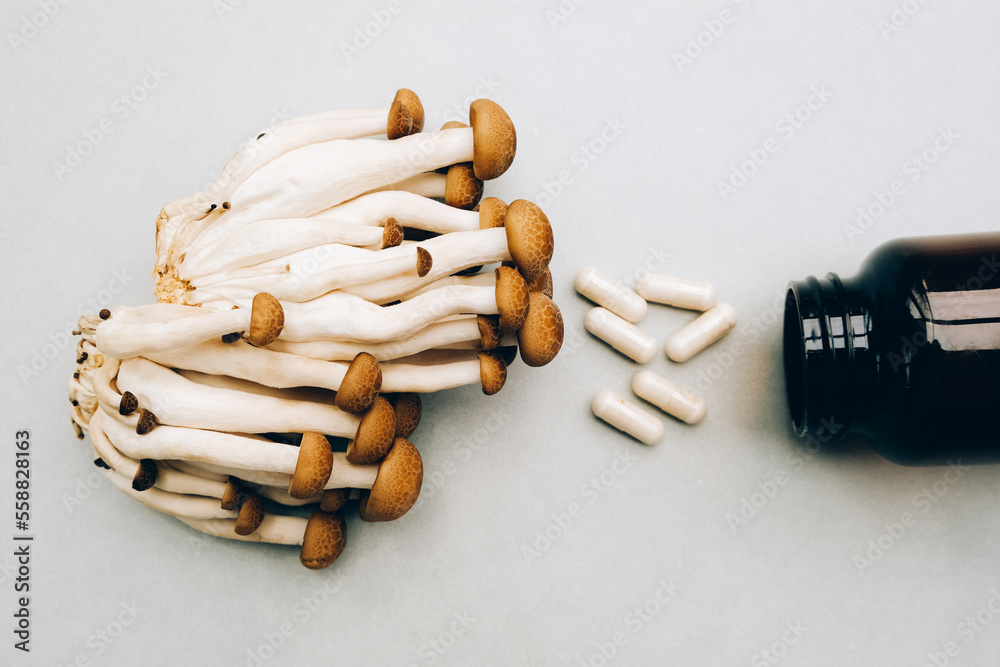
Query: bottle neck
831 365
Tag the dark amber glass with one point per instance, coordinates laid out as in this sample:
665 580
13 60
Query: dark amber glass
907 352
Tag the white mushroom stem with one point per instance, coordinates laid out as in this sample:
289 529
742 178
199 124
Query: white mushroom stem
132 333
121 338
307 394
244 361
264 148
342 316
280 139
179 505
452 253
177 401
348 475
281 496
315 177
483 279
167 478
429 184
408 209
308 273
377 276
278 494
106 395
457 368
188 478
269 239
462 331
274 529
197 470
228 453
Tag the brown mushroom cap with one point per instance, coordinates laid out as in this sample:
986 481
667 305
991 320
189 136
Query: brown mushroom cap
542 283
492 371
145 475
375 434
231 494
453 125
512 299
462 189
267 319
400 121
489 331
360 385
324 539
397 484
250 515
492 212
392 233
494 140
334 499
408 408
529 238
147 422
416 107
313 466
542 334
128 404
424 262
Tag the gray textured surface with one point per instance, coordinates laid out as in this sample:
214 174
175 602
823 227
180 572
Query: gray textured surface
502 470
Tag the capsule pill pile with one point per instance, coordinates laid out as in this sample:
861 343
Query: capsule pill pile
614 321
304 302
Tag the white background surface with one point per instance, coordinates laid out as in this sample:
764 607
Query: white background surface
649 198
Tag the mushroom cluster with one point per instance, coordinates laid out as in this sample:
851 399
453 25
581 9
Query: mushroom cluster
304 301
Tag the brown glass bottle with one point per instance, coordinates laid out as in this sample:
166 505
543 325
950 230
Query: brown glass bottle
907 352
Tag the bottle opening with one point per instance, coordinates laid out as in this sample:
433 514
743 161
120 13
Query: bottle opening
795 362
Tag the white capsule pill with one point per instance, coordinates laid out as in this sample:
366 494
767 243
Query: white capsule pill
677 292
669 397
625 337
696 336
605 291
627 416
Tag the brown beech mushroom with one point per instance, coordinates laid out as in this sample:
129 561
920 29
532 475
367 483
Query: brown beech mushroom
444 369
542 334
375 434
315 177
324 539
145 475
325 266
462 188
361 382
341 315
462 331
313 466
400 120
495 139
334 499
381 276
357 384
180 402
526 239
408 408
542 283
397 485
413 104
250 513
415 211
123 337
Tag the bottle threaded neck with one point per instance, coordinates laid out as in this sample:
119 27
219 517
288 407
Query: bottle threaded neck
830 366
